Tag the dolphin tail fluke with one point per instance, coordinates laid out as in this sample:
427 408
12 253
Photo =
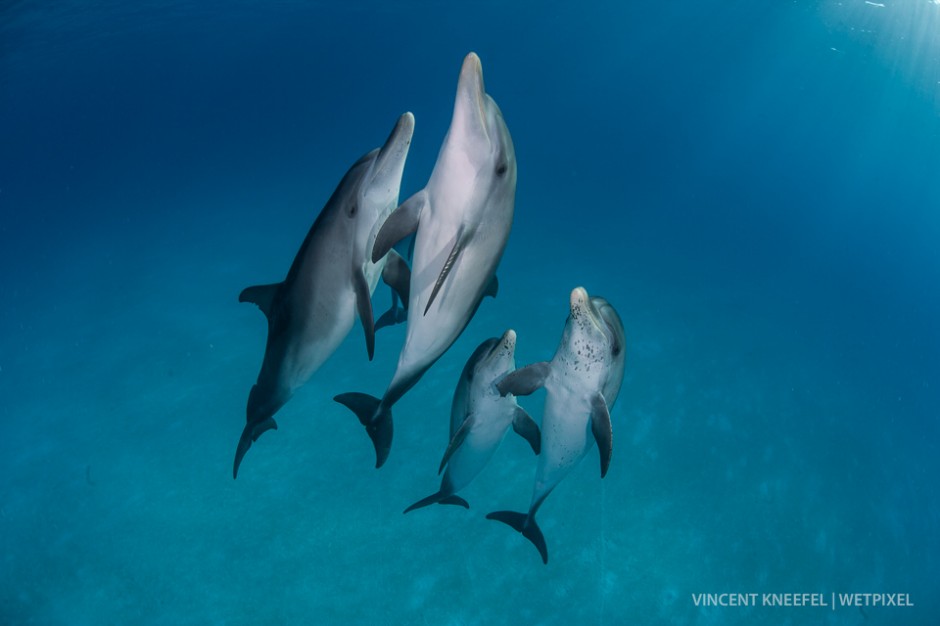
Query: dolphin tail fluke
375 417
438 498
526 525
249 435
395 315
456 500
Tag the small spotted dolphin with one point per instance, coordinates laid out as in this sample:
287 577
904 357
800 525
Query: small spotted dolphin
331 280
479 419
462 218
582 382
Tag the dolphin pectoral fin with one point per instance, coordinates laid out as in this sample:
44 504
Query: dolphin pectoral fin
492 287
448 265
458 438
526 380
249 435
526 525
602 430
376 419
261 295
397 275
525 426
364 306
402 222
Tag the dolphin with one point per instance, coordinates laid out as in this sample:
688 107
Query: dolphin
582 382
479 419
330 281
462 220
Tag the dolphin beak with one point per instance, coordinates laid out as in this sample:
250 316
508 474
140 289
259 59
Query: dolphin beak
470 105
509 339
579 298
582 307
390 162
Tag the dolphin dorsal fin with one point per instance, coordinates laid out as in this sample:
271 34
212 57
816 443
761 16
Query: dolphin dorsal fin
261 295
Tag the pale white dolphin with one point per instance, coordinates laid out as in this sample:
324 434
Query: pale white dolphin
331 280
582 382
479 419
462 218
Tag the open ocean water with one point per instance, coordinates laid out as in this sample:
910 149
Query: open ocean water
755 186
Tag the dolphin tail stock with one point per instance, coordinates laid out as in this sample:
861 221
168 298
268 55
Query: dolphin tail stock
376 417
438 498
397 275
249 435
525 524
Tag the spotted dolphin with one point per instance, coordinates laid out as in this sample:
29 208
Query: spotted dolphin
479 419
582 382
330 281
462 220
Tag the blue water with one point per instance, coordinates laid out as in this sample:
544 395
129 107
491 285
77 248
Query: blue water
755 186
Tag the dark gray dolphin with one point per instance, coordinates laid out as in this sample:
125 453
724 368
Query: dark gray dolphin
582 382
479 419
330 281
462 220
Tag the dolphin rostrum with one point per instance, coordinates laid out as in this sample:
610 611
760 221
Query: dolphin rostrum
462 220
582 382
330 281
479 419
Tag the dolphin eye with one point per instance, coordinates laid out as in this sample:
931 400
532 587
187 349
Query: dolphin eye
617 347
501 169
353 209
